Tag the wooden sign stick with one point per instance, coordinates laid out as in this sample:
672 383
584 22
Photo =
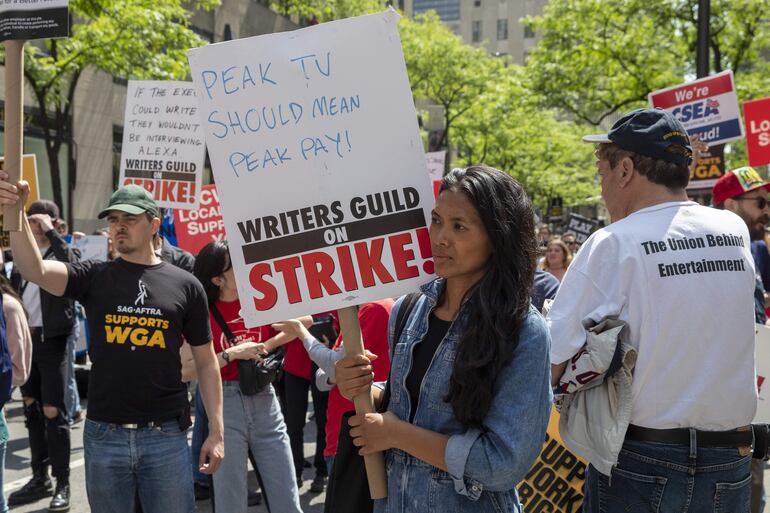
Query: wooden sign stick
375 463
14 126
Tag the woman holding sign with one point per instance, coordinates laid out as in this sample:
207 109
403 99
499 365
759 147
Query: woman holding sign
469 385
252 420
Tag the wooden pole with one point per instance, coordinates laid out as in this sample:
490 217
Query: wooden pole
375 463
14 127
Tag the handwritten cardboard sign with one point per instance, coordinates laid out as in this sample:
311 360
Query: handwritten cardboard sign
163 148
319 166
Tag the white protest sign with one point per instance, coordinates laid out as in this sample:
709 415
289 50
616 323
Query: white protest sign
762 359
319 166
435 161
93 247
163 149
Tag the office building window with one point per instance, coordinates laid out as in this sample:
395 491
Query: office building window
476 3
447 10
502 30
528 33
476 31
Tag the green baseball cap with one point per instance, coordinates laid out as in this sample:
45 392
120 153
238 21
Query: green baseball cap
131 199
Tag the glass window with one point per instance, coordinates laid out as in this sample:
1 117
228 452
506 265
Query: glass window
502 30
476 31
447 10
528 33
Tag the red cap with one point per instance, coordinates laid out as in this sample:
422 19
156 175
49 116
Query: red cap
737 182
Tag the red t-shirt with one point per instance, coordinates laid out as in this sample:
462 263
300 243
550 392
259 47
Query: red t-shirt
231 312
296 361
373 318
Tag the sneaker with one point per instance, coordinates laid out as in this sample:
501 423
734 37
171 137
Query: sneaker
254 498
318 484
202 491
61 498
37 488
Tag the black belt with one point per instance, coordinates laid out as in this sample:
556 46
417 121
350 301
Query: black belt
741 437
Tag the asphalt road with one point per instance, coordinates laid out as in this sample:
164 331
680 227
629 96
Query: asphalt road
17 470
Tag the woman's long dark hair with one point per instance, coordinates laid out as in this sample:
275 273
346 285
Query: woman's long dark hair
212 261
499 302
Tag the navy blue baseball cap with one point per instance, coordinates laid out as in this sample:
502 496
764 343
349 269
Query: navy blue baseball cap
653 133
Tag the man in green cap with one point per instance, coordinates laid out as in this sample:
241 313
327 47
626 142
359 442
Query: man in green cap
140 312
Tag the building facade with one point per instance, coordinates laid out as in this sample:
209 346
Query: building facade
494 24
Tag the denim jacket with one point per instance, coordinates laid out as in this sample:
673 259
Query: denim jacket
485 465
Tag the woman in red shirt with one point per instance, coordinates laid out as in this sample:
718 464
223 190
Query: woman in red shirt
251 421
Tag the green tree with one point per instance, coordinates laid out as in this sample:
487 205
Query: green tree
327 10
596 58
142 39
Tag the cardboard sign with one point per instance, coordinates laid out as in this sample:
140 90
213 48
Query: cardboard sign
93 247
34 19
555 481
707 107
163 149
435 160
196 228
319 166
28 173
582 226
762 359
710 168
757 117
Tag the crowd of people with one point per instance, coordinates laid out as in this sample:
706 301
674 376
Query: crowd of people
463 373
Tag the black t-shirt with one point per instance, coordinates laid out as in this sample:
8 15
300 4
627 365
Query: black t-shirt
422 356
137 318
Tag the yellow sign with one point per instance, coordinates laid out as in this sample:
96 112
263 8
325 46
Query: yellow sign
28 173
555 481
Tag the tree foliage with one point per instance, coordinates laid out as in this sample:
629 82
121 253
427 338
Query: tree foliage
491 116
327 10
596 58
143 39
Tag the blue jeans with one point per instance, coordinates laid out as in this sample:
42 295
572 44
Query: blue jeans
71 395
199 435
151 463
255 422
656 477
3 503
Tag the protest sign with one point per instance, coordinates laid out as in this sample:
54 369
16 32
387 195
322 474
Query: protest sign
762 359
582 226
757 118
435 160
33 19
555 481
196 228
163 148
707 107
711 166
319 166
28 173
93 247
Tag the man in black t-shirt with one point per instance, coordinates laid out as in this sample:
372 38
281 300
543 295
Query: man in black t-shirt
140 311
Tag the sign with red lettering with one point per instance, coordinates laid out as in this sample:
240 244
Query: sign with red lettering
196 228
707 107
756 114
319 165
163 149
555 481
762 358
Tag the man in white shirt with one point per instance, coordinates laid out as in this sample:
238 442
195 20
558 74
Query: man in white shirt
682 276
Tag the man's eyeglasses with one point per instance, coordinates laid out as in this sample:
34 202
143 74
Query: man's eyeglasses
761 202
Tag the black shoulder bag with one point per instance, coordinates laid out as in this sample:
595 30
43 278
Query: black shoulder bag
348 489
253 376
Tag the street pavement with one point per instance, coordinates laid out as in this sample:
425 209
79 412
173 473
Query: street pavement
17 471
